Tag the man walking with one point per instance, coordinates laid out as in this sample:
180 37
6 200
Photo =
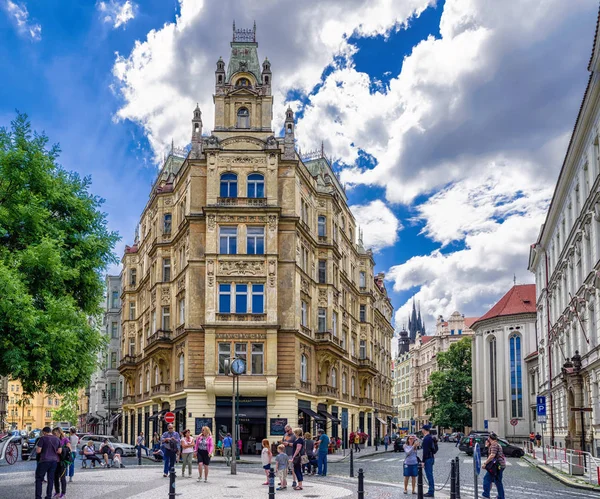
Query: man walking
288 442
429 449
386 441
170 440
228 448
323 443
494 466
48 450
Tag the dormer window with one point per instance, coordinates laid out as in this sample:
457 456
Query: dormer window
243 118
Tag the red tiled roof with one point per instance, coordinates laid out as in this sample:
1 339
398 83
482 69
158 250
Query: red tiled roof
425 339
131 249
531 355
469 321
519 300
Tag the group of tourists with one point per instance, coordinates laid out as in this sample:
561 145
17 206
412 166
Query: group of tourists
55 456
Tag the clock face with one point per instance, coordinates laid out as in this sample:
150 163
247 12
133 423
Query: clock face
238 366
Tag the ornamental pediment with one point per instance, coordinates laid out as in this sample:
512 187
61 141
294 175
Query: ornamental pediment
243 142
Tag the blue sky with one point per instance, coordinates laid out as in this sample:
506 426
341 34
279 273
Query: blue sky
433 111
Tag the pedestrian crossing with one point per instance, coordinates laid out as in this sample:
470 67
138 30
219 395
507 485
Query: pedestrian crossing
468 460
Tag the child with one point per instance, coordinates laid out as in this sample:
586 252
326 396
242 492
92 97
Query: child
265 458
281 467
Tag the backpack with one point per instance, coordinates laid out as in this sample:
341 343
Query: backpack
435 446
66 458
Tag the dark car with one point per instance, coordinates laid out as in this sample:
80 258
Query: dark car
399 444
467 445
28 444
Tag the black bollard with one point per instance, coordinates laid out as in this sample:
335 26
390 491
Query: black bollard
272 484
351 463
453 479
420 482
139 456
457 477
361 484
172 483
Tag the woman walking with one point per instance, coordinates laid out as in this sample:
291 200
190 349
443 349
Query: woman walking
140 444
187 452
297 457
60 476
204 450
265 458
411 462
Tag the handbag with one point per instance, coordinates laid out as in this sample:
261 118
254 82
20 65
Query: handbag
492 467
304 459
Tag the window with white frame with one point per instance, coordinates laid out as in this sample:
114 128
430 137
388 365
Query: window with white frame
344 383
243 298
363 349
322 272
182 311
166 319
228 188
167 222
362 279
322 319
166 269
304 313
224 354
153 330
322 226
257 358
147 381
334 377
156 376
344 340
131 310
303 368
181 367
353 386
256 185
228 240
255 241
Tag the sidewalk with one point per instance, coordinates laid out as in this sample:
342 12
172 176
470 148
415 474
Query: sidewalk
566 479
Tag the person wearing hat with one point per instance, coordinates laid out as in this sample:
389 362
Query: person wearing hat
429 450
497 463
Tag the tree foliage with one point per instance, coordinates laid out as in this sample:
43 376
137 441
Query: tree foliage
54 244
450 387
68 409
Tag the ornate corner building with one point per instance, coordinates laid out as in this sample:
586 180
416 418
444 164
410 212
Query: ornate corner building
248 249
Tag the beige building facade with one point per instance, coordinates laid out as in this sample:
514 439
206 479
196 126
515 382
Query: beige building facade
28 412
423 359
247 250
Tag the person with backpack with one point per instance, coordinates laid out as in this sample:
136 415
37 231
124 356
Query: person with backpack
48 452
494 466
60 475
430 448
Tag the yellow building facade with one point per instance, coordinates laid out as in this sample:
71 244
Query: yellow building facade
28 412
247 249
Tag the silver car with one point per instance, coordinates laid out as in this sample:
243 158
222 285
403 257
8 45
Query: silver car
125 450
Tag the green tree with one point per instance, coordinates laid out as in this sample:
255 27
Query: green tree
68 408
450 387
54 245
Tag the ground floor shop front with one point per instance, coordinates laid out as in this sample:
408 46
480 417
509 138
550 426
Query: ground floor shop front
258 417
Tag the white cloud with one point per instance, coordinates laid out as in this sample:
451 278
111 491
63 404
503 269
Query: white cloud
19 16
116 13
379 224
164 76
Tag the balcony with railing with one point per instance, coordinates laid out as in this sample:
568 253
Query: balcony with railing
366 401
128 364
326 339
247 202
179 330
307 331
305 386
327 390
241 317
160 339
161 389
179 385
128 399
367 365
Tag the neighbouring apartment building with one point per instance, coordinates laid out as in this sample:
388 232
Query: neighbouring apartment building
402 391
105 391
28 412
248 249
565 260
503 365
423 354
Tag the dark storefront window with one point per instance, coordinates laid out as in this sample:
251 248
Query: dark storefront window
334 427
180 414
252 418
147 435
125 428
132 428
369 427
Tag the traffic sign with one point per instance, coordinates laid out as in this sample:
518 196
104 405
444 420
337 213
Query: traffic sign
344 420
514 421
485 424
541 419
477 458
169 417
541 405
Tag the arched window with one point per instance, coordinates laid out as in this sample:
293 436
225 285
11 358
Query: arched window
353 386
334 377
156 376
344 383
228 185
147 380
368 391
141 387
493 378
303 368
516 381
256 185
181 366
242 82
243 118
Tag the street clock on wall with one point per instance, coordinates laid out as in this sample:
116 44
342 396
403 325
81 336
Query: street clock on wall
238 366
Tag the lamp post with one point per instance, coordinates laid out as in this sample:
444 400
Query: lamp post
234 367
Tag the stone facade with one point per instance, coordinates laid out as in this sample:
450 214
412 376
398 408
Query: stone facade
28 412
423 359
565 260
402 392
246 249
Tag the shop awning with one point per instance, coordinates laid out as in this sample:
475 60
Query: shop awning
115 418
244 412
157 415
92 419
334 420
178 410
311 413
381 421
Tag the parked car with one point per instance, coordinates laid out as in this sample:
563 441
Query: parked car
399 444
120 447
467 445
28 444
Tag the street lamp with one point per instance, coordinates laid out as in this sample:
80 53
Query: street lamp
235 368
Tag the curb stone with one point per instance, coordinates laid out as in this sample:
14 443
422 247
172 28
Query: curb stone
558 476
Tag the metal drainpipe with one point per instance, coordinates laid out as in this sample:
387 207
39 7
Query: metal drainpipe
549 356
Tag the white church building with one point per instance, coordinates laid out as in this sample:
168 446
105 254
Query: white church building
503 389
